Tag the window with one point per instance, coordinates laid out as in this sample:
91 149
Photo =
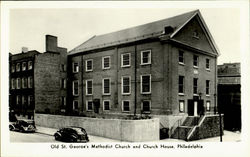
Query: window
30 100
24 100
181 105
106 62
24 66
18 80
89 105
126 85
75 104
208 105
125 60
13 83
181 57
195 86
63 101
207 87
196 61
145 57
89 87
63 67
63 83
89 65
75 88
75 67
18 99
30 82
207 64
196 34
146 106
125 106
106 105
30 66
18 67
24 82
145 84
181 84
106 86
13 68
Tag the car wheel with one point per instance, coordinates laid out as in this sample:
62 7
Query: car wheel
11 127
57 137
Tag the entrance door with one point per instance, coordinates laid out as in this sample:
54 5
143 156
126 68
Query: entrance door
96 105
195 107
191 107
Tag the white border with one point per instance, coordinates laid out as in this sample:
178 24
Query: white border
129 85
150 84
124 66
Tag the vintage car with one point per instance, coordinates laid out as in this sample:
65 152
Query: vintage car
71 134
23 125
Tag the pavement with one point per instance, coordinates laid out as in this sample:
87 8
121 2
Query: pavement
228 136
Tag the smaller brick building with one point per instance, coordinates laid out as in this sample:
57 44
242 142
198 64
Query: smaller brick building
229 94
50 76
21 81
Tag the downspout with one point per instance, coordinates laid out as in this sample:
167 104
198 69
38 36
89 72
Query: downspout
135 71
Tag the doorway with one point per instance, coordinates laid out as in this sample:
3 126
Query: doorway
195 107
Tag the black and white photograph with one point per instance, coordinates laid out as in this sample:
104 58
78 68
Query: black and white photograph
128 78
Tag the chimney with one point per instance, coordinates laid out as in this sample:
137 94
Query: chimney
51 43
168 30
24 49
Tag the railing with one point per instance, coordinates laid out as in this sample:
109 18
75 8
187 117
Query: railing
199 122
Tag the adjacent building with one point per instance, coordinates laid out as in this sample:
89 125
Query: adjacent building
167 67
229 94
38 81
21 77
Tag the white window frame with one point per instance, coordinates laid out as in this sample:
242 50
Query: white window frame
196 66
18 67
17 86
13 68
208 94
103 104
149 106
24 79
129 85
77 69
63 99
183 85
74 104
30 63
196 86
86 67
73 87
208 64
103 62
109 86
24 68
148 59
181 101
18 99
13 81
149 84
123 106
30 85
87 87
182 63
122 60
87 105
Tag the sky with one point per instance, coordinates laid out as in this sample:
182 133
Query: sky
28 27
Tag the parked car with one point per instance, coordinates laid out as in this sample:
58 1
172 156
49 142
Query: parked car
71 134
23 125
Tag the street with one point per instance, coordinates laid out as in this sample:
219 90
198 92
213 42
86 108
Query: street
43 138
30 137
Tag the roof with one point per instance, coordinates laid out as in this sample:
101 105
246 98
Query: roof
24 55
140 32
